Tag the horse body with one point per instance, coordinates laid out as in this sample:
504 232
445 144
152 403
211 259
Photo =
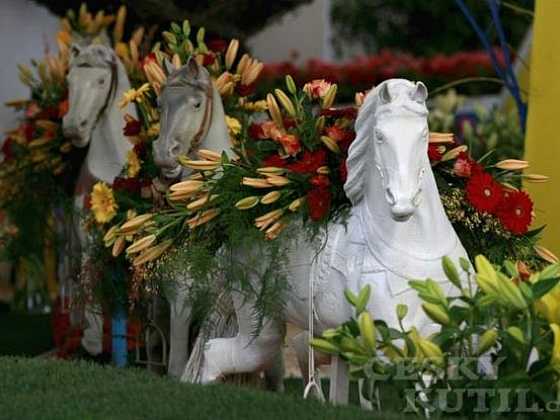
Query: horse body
96 80
397 231
191 117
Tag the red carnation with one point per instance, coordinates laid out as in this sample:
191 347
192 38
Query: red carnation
515 212
208 59
218 45
256 131
132 128
275 161
309 162
434 153
320 181
483 192
318 202
245 90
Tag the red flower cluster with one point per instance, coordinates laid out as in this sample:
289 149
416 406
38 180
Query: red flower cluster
513 208
364 72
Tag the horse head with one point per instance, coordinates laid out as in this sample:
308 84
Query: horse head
185 115
392 139
92 85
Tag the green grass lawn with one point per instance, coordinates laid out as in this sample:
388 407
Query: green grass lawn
47 389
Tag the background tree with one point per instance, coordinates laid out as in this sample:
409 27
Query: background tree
226 18
421 27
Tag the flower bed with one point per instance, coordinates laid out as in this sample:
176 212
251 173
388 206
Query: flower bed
364 72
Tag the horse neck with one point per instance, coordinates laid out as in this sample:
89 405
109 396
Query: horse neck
217 138
427 234
108 147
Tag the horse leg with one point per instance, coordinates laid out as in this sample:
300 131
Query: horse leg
180 318
274 375
243 353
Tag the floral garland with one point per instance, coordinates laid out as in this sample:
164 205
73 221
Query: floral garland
40 167
292 165
138 189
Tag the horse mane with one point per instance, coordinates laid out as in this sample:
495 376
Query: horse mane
358 155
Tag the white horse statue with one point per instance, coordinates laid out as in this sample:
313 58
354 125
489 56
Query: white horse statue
192 118
96 80
397 231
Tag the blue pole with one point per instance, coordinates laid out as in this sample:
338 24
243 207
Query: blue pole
118 330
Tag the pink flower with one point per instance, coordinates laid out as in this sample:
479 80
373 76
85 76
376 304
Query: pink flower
317 88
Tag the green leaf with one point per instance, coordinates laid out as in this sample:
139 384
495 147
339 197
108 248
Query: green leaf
542 287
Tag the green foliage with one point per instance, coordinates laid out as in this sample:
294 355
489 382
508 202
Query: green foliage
419 26
509 319
489 132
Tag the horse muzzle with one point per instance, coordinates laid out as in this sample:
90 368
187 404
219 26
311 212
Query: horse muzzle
402 210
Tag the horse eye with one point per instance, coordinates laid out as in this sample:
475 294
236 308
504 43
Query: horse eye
197 105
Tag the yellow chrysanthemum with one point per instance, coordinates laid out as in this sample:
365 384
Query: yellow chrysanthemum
132 164
257 106
233 125
103 203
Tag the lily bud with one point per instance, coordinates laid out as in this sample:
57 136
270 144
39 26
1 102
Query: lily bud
202 218
453 153
118 246
274 111
141 244
255 182
545 254
135 223
271 197
331 144
451 271
324 346
431 351
402 311
536 178
363 298
328 99
231 53
487 341
286 102
247 203
516 333
512 165
209 155
367 330
290 84
436 313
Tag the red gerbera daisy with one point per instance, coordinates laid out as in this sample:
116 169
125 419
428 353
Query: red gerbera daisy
515 212
483 192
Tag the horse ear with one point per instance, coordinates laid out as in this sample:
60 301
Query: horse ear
193 69
169 67
420 93
384 94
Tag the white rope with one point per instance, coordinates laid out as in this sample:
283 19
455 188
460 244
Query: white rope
311 381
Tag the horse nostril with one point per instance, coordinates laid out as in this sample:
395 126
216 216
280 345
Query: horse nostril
175 149
390 196
83 124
